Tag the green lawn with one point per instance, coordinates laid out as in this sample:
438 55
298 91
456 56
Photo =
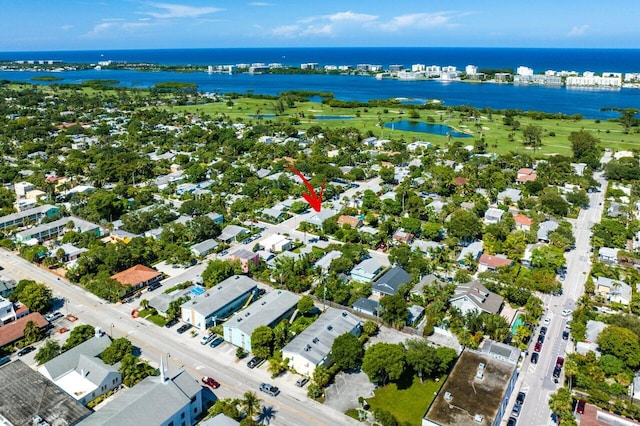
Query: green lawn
366 119
407 400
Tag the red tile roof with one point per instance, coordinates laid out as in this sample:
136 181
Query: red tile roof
460 181
349 220
523 220
136 275
15 330
494 261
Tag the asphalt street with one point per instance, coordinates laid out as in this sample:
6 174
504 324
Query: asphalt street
536 380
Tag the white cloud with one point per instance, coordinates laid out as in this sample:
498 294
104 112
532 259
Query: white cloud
286 31
420 20
65 27
350 16
100 28
179 11
326 29
578 31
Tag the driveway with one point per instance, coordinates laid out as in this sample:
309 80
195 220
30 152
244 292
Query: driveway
347 387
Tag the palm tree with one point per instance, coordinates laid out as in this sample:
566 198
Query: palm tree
250 404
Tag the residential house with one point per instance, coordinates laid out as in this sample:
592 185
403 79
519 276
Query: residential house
493 215
616 209
512 194
219 420
203 248
137 277
488 262
215 217
72 252
325 261
246 258
401 236
120 235
312 347
366 306
7 287
475 296
366 270
523 223
545 228
219 302
594 328
273 214
270 310
426 281
615 291
351 221
528 253
33 215
526 174
317 219
81 373
608 255
276 243
28 398
7 311
472 251
166 400
389 283
415 315
14 330
426 247
232 233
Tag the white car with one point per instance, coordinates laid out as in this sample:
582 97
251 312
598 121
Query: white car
567 312
207 338
546 321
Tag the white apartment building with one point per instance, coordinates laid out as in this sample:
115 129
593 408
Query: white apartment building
471 70
418 68
524 71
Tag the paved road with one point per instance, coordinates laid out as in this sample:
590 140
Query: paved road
291 407
536 379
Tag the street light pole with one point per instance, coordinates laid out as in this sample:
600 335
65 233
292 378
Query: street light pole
111 335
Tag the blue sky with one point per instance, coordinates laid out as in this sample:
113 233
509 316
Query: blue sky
131 24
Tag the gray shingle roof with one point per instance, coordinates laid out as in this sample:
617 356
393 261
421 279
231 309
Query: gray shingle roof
390 281
150 402
315 342
220 295
68 360
264 311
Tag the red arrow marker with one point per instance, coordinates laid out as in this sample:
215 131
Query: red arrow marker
312 198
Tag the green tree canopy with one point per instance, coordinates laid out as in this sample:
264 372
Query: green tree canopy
305 305
347 351
383 361
37 297
394 310
48 351
78 335
621 343
464 225
117 350
262 341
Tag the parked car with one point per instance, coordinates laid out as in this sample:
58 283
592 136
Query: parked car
207 338
567 312
556 371
537 347
269 389
520 398
565 335
543 331
253 362
512 421
301 381
559 362
183 328
171 323
53 316
534 358
516 410
153 286
215 342
580 407
210 382
26 350
547 321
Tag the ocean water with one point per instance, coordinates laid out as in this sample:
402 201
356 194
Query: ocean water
587 102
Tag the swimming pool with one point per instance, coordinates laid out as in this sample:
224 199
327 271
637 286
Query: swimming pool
421 127
197 290
516 323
